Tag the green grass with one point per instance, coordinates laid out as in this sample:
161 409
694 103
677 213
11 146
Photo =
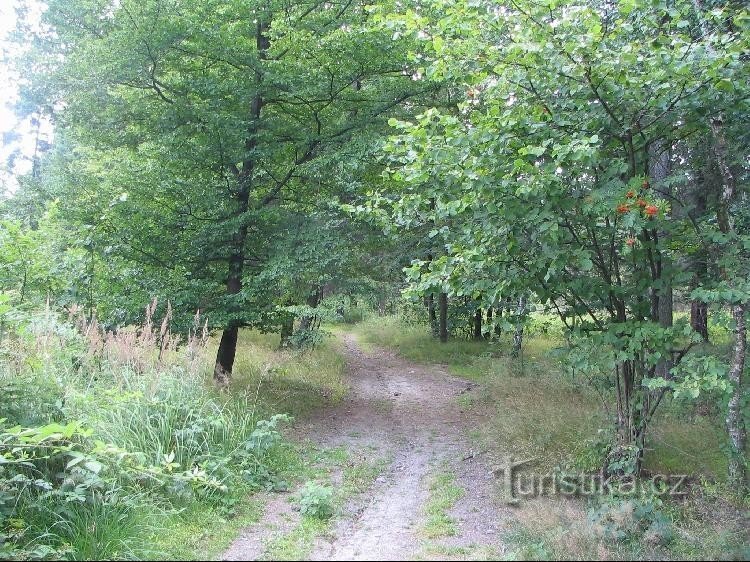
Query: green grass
444 493
298 382
531 409
170 418
204 532
296 544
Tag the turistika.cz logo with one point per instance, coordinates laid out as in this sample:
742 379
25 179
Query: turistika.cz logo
519 484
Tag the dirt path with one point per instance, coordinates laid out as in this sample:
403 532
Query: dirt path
409 413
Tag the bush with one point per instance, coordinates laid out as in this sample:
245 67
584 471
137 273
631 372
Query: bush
619 519
54 483
316 500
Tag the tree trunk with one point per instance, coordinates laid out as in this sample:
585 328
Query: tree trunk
666 320
313 299
228 344
518 334
660 168
443 328
699 318
734 421
225 355
287 330
432 314
735 425
478 324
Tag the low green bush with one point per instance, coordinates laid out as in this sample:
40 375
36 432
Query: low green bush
316 500
637 518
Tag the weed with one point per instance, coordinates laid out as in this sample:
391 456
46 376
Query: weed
316 500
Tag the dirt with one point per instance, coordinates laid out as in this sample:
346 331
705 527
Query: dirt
411 414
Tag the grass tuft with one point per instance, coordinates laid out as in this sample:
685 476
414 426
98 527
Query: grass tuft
444 493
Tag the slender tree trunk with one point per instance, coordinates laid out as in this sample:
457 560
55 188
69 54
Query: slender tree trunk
287 330
228 343
699 318
23 289
478 324
518 334
432 314
313 299
698 263
666 320
735 424
734 421
660 168
92 282
443 305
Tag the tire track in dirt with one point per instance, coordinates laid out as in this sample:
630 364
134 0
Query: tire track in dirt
410 413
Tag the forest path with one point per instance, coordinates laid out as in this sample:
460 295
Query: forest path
410 414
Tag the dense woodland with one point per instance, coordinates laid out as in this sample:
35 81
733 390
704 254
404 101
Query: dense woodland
475 169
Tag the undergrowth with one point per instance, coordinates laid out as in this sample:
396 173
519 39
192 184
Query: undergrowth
533 407
117 446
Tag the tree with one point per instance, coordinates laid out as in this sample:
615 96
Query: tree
196 127
546 177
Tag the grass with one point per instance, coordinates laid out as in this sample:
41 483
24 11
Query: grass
204 532
171 484
349 474
296 382
273 380
360 472
444 493
555 529
296 544
534 410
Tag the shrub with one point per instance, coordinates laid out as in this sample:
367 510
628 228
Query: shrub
316 500
620 519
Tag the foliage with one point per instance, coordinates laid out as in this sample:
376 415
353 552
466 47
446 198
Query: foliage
568 170
572 173
142 443
315 500
618 520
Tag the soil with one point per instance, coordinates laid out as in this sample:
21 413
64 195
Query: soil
409 413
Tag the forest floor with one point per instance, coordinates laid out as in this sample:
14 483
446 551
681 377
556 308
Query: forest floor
433 494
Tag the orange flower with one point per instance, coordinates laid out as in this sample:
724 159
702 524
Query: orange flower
630 194
630 242
641 203
623 208
652 210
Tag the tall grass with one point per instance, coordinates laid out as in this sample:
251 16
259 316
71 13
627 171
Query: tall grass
536 409
288 380
551 416
172 447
